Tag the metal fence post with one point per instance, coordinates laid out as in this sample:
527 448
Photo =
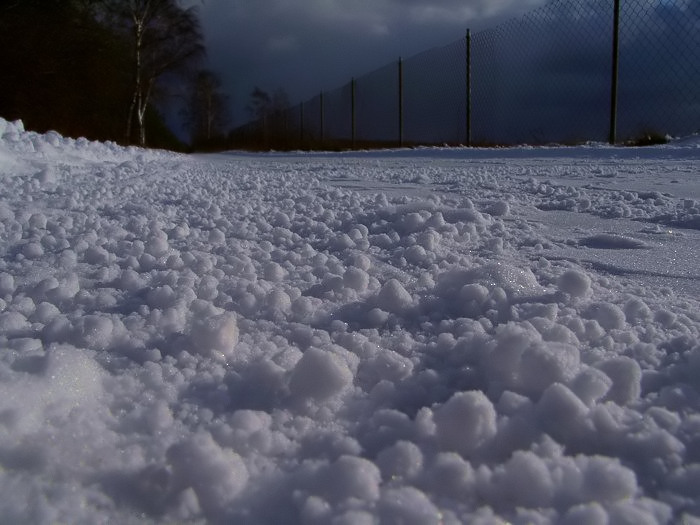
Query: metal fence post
301 125
612 137
321 117
469 88
353 123
400 102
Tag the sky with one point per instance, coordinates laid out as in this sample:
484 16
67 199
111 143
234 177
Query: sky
306 46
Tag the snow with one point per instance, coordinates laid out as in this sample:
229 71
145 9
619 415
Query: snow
409 336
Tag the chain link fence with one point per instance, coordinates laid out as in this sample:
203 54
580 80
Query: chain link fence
547 77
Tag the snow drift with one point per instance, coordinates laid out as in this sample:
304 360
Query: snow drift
428 336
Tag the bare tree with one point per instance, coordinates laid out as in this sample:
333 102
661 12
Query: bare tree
260 103
206 112
271 112
264 105
164 38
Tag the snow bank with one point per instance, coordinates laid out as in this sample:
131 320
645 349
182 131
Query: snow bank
458 338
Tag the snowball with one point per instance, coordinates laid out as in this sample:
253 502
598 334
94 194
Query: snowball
75 379
129 280
158 417
428 239
498 208
217 475
215 335
161 297
436 220
273 272
385 364
411 222
12 322
362 262
32 250
278 300
44 312
157 246
393 297
515 281
352 477
465 422
527 481
95 331
208 288
605 480
401 460
37 220
46 175
544 363
501 358
517 359
473 292
217 237
96 255
637 310
608 315
67 288
590 385
626 376
417 255
561 412
302 307
665 317
63 386
342 242
319 375
586 514
575 283
315 510
452 476
376 317
408 506
7 284
356 279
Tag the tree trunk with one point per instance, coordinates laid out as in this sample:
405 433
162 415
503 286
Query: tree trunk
210 115
135 106
144 99
129 118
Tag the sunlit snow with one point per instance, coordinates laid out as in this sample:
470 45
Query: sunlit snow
406 337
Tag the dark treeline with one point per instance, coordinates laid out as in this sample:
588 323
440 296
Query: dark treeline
108 70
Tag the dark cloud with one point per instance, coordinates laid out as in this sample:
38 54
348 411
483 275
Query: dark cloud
544 75
305 46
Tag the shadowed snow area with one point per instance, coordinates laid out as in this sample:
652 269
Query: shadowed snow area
417 336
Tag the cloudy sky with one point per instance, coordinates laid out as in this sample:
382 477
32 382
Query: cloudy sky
305 46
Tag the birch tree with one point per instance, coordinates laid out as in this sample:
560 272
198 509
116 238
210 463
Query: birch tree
164 39
206 112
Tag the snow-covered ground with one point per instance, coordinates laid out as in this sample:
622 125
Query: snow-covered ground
406 337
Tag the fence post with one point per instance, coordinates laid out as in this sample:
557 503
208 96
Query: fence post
301 125
469 88
400 102
322 117
353 123
612 137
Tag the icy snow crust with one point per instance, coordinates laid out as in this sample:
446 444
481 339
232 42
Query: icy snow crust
427 336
